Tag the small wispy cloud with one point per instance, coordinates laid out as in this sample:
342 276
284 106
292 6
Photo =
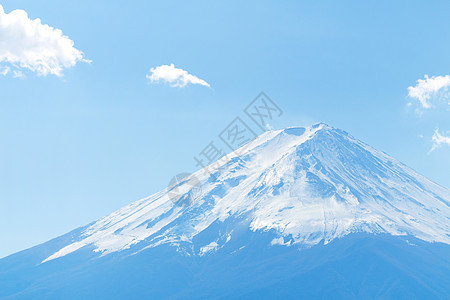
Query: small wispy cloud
429 87
439 139
174 76
4 70
27 44
18 74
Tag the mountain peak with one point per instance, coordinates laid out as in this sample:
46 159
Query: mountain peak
310 130
303 185
321 125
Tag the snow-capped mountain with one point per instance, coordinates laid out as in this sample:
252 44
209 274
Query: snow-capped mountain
307 184
315 189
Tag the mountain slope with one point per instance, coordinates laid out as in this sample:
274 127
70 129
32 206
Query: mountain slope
316 189
358 266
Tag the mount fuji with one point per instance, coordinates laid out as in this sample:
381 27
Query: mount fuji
296 213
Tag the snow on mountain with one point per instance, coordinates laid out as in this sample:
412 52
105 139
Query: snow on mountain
303 185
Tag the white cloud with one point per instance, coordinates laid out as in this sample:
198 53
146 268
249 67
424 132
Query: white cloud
4 70
176 77
439 139
29 44
428 87
18 74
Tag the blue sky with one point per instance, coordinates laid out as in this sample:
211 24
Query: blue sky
77 145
